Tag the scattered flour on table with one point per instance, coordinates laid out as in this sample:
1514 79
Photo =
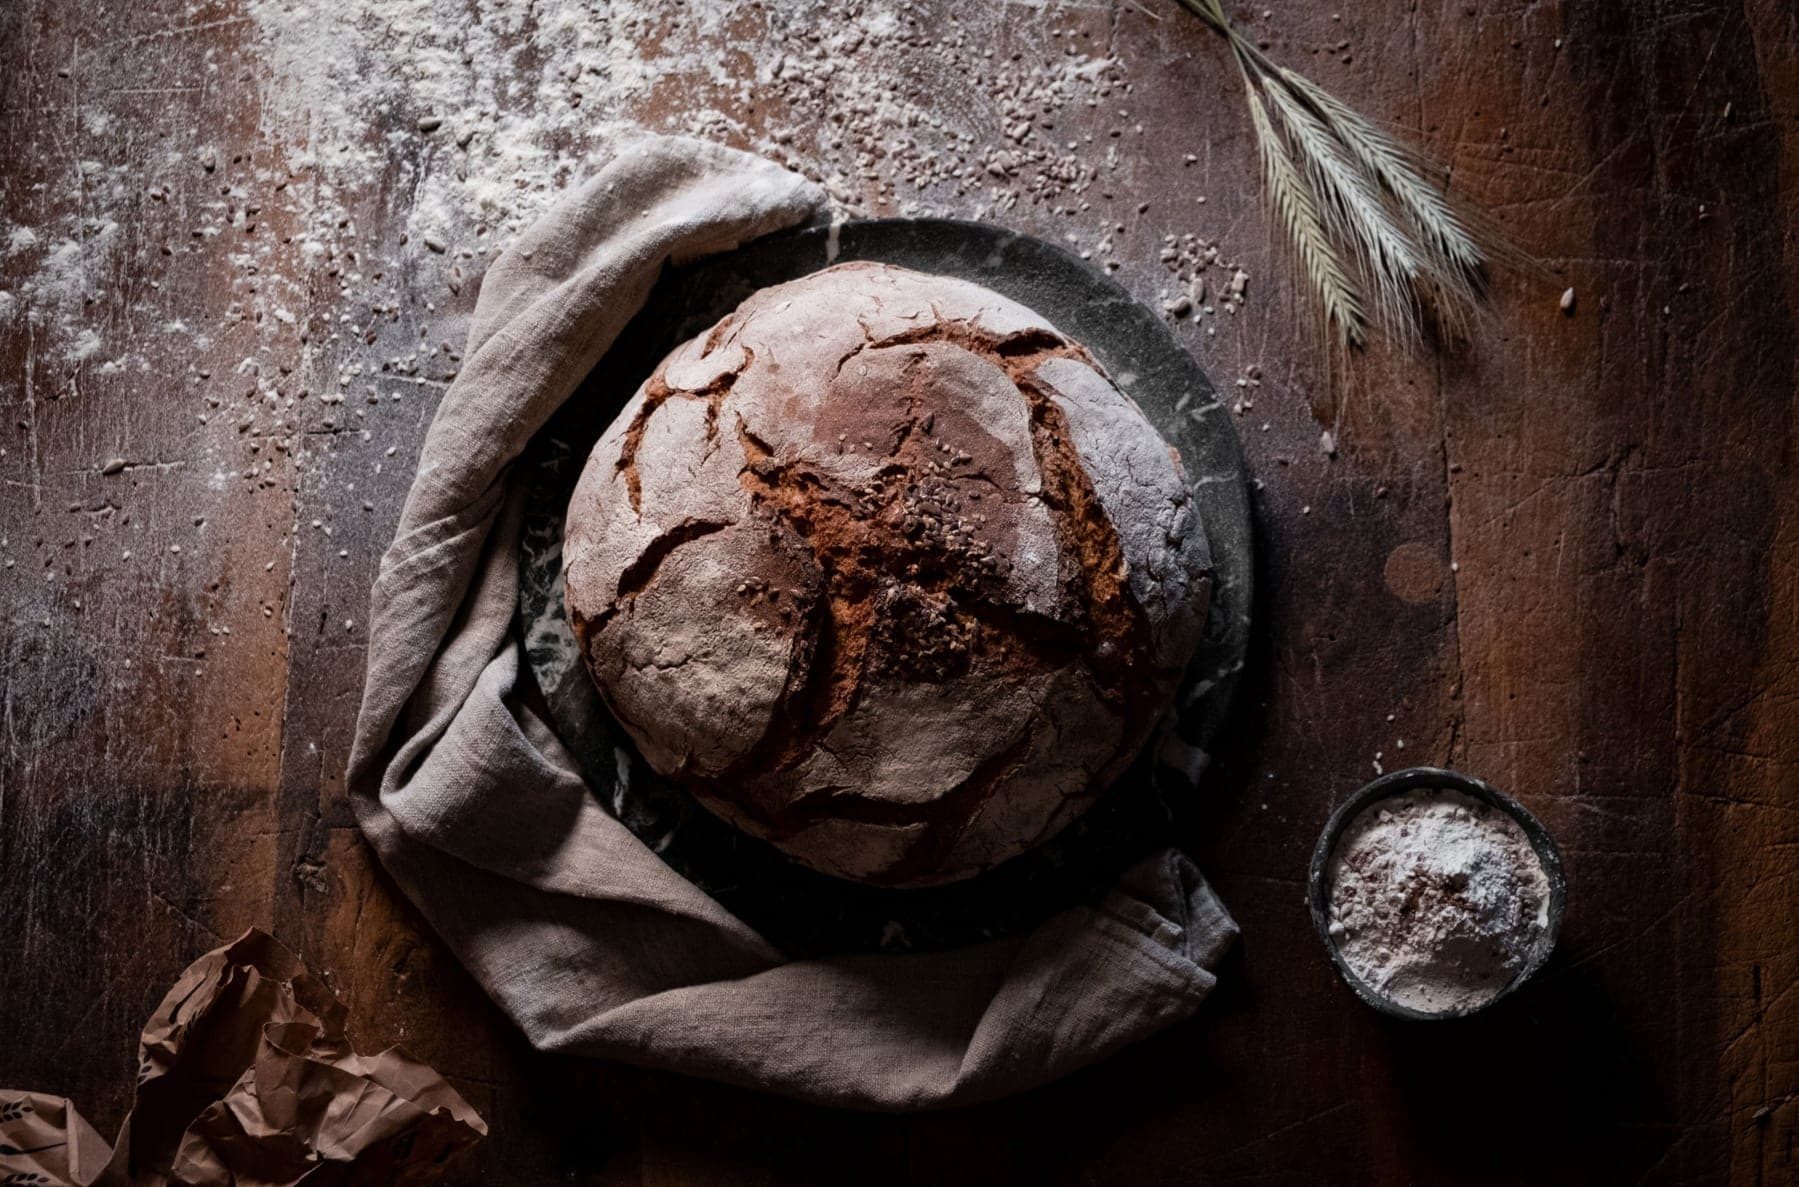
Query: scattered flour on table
888 113
1437 900
494 108
390 148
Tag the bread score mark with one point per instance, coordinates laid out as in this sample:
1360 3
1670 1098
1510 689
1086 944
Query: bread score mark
639 573
656 393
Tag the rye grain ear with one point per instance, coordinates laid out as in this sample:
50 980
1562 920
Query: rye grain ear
1376 240
1296 206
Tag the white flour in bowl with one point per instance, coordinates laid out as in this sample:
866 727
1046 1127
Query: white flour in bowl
1437 900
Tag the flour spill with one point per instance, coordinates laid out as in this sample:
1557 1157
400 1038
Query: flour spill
322 253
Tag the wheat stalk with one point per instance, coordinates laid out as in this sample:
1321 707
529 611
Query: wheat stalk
1356 214
1298 210
1434 221
1345 191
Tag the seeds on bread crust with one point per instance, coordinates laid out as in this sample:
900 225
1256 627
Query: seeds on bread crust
886 571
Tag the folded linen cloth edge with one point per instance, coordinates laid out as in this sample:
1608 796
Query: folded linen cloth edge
579 932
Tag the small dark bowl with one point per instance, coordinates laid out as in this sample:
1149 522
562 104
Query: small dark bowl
1412 779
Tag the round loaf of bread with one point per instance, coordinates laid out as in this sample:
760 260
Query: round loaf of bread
886 571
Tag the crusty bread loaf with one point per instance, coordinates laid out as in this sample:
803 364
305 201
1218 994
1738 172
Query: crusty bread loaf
886 571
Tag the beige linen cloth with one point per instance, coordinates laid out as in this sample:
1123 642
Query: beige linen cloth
580 933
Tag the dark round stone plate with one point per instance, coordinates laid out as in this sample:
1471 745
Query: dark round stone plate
807 913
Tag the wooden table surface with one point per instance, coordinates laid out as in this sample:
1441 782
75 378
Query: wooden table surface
1566 559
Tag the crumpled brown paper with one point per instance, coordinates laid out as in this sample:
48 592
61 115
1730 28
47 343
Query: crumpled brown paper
245 1077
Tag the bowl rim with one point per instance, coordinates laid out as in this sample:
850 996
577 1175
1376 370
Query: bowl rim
1413 779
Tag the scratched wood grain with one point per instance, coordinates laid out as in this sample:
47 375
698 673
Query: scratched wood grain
1567 561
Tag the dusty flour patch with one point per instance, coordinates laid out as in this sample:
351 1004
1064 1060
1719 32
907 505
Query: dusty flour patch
897 115
489 110
455 122
390 148
503 103
69 261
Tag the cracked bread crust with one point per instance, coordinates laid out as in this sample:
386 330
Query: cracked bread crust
885 571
